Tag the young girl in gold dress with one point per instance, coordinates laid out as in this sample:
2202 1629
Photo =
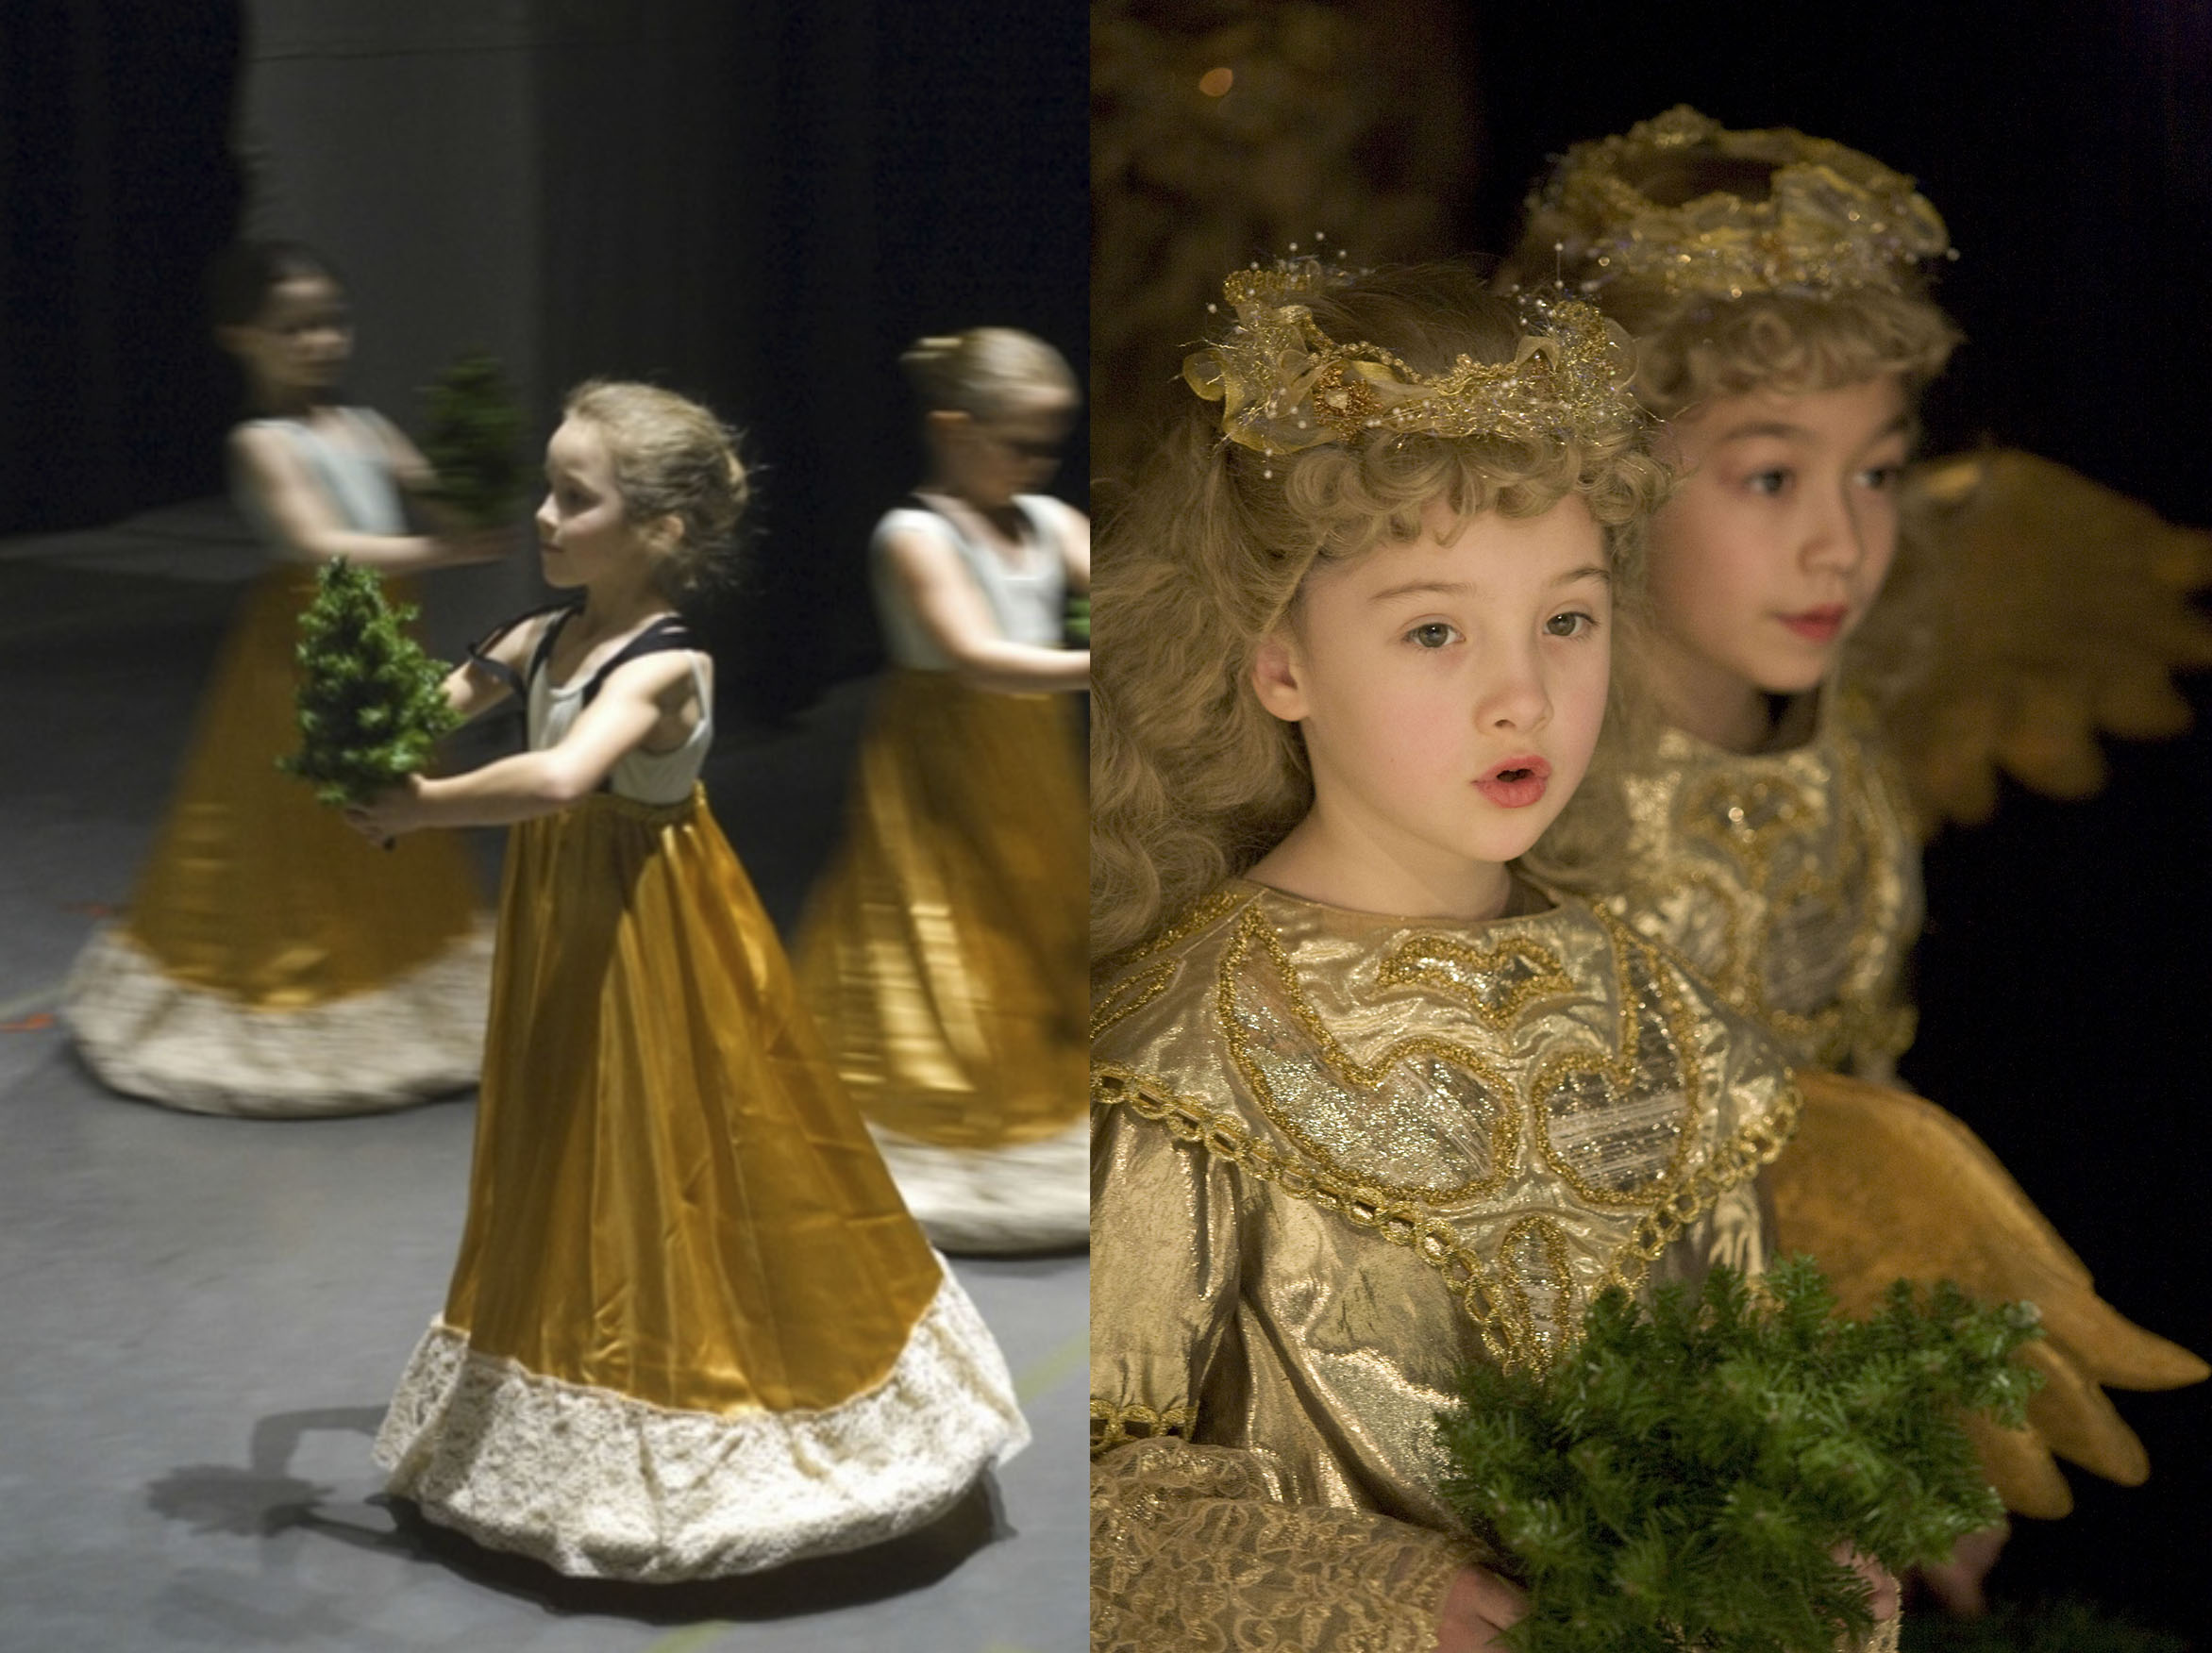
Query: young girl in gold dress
1367 1106
692 1331
943 954
1777 286
269 962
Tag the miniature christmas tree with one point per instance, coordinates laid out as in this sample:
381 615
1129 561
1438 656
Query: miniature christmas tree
1681 1478
372 704
474 441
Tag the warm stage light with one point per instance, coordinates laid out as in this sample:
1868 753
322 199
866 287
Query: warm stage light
1215 82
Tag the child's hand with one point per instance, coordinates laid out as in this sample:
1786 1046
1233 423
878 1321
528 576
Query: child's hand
1476 1607
392 811
1880 1580
1957 1583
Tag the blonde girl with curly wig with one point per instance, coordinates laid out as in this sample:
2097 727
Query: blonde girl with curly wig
692 1331
1356 634
1806 607
943 951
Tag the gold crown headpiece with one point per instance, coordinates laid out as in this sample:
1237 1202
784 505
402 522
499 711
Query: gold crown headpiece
1833 218
1285 384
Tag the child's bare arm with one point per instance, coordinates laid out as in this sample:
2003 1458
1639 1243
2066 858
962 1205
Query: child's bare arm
954 612
304 521
633 703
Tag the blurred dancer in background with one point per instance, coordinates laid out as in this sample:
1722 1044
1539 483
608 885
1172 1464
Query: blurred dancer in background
944 952
269 963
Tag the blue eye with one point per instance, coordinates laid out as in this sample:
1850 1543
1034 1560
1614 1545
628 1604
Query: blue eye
1436 634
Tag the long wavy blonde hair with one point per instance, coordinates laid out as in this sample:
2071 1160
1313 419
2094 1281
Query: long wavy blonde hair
1192 779
1693 349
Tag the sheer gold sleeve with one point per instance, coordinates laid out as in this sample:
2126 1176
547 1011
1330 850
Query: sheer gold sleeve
1193 1546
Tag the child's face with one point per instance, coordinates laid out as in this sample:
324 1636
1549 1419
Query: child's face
1450 688
584 532
300 341
1776 543
990 459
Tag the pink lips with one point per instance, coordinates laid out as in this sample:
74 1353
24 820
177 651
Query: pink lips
1516 783
1819 624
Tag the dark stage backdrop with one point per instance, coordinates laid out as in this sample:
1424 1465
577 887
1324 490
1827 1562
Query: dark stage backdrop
116 188
2062 982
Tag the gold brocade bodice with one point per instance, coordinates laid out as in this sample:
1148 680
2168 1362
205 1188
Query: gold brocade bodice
1338 1156
1790 880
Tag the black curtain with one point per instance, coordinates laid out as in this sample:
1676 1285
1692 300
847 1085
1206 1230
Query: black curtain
761 205
116 187
2069 146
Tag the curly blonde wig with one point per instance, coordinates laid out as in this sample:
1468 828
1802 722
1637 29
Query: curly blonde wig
1192 779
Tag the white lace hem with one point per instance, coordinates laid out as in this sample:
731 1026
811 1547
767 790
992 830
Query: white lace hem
147 1034
1026 1196
599 1485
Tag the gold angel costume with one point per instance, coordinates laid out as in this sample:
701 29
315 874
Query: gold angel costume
1338 1155
943 954
272 961
692 1331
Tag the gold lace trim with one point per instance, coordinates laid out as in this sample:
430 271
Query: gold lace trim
1132 993
1111 1423
1412 962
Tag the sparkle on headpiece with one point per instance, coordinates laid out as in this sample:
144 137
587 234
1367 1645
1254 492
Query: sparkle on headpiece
1285 384
1833 218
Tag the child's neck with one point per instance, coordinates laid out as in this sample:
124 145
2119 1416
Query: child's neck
1337 864
620 602
1705 700
1006 518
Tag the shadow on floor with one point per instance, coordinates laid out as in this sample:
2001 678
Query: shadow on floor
263 1499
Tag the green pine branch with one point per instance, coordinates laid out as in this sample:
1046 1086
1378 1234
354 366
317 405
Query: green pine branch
372 704
474 441
1680 1478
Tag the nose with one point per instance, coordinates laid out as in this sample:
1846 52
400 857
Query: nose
545 518
1835 539
1513 696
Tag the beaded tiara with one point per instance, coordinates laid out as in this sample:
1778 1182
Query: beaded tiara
1285 384
1833 218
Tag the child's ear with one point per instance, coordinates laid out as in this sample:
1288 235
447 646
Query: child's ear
945 422
664 533
1278 675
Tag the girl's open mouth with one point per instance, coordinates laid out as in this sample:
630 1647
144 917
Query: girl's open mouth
1516 782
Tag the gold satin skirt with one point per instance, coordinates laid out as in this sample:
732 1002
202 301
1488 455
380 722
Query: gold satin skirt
272 960
946 953
691 1329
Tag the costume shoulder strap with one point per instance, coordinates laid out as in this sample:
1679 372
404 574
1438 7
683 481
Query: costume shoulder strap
662 636
517 684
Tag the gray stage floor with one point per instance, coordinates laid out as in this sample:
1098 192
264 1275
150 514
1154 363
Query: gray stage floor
200 1318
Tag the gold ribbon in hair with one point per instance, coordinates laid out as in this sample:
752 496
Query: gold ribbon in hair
1285 384
1833 218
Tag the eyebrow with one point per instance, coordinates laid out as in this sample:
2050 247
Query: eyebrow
1445 588
1789 433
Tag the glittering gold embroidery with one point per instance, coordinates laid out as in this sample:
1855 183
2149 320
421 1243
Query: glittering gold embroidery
1199 915
1496 982
1738 1158
1410 1225
1384 1115
1132 993
1533 1257
1602 1117
1114 1423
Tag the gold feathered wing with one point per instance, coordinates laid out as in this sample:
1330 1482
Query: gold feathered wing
1880 1185
2035 610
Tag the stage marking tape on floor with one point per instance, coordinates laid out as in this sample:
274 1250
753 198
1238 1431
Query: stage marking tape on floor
39 998
1046 1374
692 1638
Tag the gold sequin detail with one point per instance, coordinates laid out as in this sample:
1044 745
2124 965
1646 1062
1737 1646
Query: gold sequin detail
1408 1104
1199 916
1132 993
1496 982
1534 1260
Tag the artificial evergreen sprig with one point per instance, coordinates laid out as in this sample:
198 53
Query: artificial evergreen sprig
371 703
474 441
1680 1479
